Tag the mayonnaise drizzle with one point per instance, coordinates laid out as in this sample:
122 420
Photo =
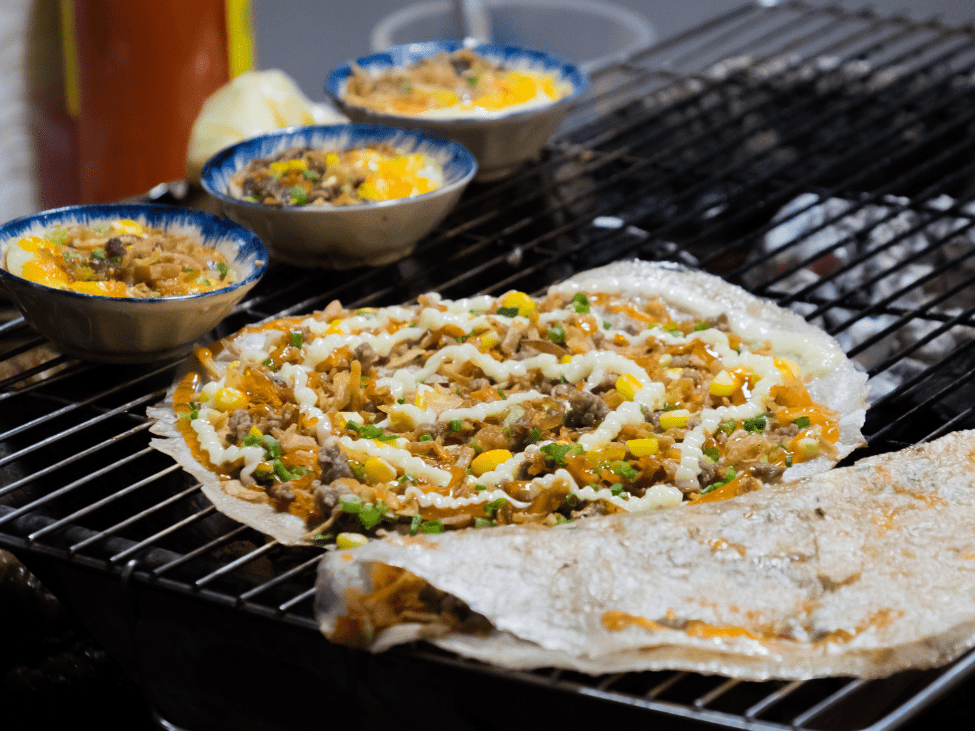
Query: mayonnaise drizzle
585 371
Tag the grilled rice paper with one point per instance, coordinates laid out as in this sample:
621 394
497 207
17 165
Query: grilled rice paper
859 571
627 388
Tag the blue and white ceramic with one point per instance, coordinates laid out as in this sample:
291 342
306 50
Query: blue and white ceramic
501 141
132 330
341 237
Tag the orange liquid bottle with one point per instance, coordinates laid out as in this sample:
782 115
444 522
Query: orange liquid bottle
135 77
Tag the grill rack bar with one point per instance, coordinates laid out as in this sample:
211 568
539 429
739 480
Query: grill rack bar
552 239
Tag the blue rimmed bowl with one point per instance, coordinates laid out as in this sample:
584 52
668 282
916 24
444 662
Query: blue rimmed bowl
124 329
341 237
501 141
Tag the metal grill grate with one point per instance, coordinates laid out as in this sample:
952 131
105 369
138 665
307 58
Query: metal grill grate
821 158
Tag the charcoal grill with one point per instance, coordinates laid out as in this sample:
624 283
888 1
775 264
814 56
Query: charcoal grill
821 158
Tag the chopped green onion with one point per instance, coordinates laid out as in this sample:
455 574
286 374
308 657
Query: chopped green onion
455 425
756 425
483 523
222 269
703 325
432 526
556 334
351 503
98 254
624 469
425 438
370 432
311 174
298 195
534 435
492 507
607 324
501 394
557 452
370 515
581 303
802 422
508 311
296 339
712 453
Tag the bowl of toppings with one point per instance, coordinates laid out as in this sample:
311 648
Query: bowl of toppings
340 196
500 102
127 283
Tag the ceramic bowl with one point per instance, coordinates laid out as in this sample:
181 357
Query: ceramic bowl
124 329
341 237
501 141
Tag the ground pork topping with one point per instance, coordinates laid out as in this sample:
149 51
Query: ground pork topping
489 411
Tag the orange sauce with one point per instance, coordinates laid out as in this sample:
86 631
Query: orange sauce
616 621
697 628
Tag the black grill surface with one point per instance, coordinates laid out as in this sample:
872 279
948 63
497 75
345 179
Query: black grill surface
821 158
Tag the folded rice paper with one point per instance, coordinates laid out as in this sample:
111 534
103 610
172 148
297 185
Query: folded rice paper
860 571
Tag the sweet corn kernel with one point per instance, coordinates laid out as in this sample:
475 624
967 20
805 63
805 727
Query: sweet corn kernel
490 339
723 384
787 367
675 418
285 166
350 540
444 98
565 359
422 395
610 453
642 447
254 432
127 226
808 447
369 191
400 421
379 470
263 470
522 301
674 373
334 328
228 399
627 385
488 461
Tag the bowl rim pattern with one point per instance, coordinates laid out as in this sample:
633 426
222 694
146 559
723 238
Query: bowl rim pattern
408 53
250 248
459 164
